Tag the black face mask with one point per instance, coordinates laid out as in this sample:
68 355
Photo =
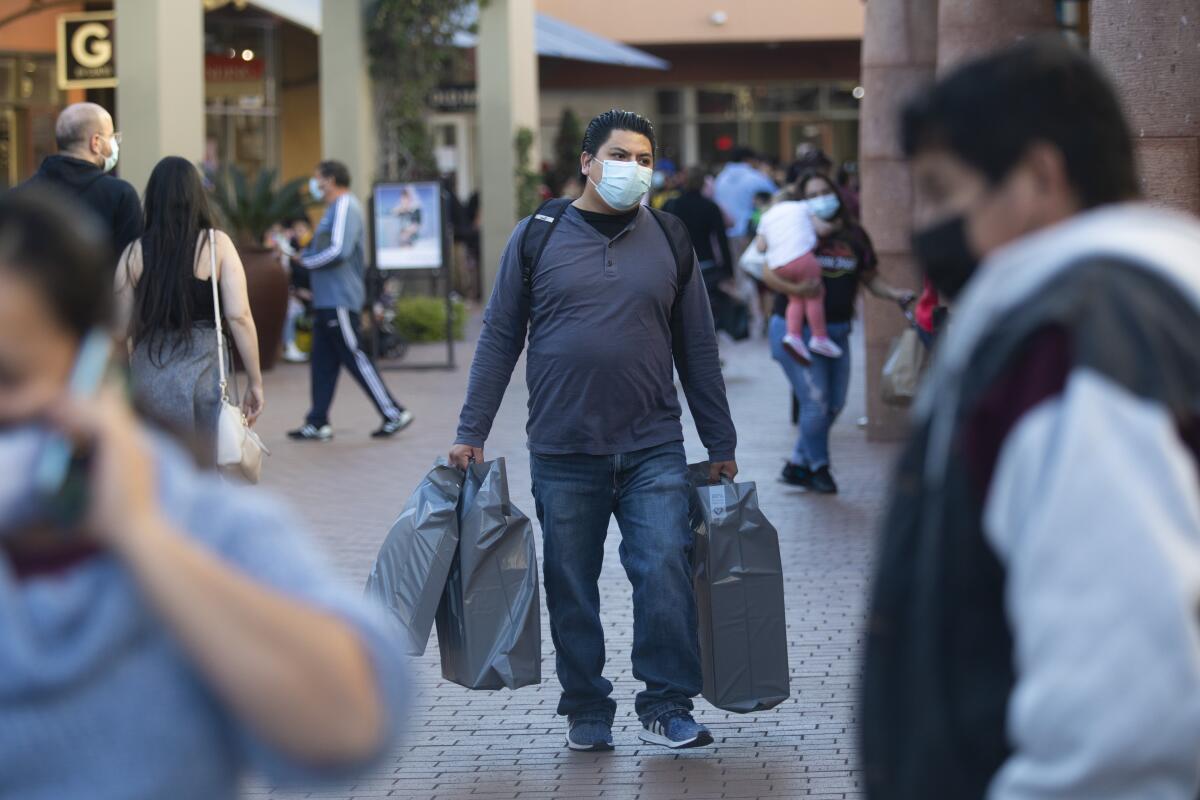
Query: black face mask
945 256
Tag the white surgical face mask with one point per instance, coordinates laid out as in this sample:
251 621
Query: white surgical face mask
110 160
314 189
623 183
824 206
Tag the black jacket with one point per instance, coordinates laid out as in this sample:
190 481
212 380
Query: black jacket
115 201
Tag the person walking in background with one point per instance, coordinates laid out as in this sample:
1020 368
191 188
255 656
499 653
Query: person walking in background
734 190
612 308
706 227
164 287
809 158
847 262
336 265
849 186
88 148
165 634
293 239
1033 631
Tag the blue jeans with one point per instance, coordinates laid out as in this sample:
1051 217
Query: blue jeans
820 387
648 490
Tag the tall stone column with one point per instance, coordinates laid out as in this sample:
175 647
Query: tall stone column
1152 50
347 107
972 28
507 81
160 83
899 55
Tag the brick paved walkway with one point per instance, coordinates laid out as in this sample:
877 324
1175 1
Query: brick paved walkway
490 745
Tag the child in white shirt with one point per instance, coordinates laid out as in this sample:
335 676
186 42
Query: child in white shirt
786 234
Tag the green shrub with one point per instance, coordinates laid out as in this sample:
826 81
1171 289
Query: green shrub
423 319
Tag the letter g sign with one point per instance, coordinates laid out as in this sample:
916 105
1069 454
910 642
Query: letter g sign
98 53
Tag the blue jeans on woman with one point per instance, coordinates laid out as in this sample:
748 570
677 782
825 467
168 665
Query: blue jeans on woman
648 490
820 388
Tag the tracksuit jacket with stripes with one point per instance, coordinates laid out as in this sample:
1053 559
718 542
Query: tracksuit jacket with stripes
336 256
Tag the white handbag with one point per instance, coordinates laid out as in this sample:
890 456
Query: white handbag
238 447
753 261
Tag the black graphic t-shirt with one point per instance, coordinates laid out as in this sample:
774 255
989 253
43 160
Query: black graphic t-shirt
847 258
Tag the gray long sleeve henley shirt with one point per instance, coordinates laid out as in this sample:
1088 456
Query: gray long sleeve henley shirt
604 332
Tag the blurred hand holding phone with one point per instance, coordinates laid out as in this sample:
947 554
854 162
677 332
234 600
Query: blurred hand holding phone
60 475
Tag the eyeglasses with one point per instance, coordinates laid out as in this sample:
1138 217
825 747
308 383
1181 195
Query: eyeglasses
116 137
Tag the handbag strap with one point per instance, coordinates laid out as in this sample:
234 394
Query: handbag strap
212 257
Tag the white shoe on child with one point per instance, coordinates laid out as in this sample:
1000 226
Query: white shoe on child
293 354
823 345
794 345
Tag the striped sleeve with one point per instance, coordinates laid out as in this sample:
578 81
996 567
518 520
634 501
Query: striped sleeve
339 246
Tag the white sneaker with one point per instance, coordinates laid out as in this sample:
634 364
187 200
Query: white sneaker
795 348
293 354
823 345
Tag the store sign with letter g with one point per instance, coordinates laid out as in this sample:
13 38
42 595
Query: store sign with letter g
85 51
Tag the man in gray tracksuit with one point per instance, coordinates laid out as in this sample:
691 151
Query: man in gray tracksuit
336 261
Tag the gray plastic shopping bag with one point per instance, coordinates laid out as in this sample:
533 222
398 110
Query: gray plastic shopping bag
489 621
738 577
410 572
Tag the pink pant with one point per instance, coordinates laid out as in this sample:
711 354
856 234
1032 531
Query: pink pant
804 269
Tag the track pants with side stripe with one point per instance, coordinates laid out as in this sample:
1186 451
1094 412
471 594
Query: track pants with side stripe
335 345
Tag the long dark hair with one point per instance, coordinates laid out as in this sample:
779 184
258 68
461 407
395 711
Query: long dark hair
177 211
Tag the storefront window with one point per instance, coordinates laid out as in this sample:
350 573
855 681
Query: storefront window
240 94
844 97
716 102
786 98
716 140
670 143
29 104
669 102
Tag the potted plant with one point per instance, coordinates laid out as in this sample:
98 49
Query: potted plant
249 209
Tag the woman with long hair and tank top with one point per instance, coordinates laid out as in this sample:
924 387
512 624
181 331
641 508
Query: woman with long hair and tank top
166 301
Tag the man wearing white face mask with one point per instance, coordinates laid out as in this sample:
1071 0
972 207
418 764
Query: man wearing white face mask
87 153
612 302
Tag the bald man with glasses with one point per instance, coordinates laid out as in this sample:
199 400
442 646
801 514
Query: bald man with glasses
87 152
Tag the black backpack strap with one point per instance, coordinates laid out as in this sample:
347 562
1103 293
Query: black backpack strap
536 234
681 246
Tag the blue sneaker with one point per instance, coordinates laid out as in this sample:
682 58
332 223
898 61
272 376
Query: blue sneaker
589 735
677 730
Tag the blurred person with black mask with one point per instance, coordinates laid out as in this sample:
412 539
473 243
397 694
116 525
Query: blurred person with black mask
163 633
88 148
1034 632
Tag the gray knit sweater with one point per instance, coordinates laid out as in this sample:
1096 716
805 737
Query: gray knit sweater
97 700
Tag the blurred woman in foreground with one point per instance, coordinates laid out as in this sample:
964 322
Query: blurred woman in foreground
161 633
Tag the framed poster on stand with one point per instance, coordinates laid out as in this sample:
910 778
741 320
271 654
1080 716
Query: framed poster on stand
410 239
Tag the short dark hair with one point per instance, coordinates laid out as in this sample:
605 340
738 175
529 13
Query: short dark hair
988 112
739 154
694 179
336 171
615 119
50 240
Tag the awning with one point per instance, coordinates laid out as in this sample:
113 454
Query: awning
557 39
553 37
305 13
